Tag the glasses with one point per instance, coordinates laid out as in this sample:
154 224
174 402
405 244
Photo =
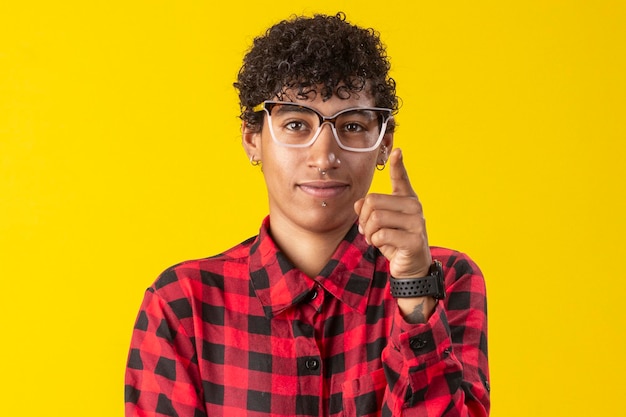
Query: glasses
357 129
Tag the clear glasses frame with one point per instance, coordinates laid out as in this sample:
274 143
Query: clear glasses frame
269 104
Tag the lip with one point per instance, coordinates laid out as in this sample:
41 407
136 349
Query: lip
323 189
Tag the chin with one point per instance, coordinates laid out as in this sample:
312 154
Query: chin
325 219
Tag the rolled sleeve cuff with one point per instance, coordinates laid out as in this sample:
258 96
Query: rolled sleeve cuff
421 344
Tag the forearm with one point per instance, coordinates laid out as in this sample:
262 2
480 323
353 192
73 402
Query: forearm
427 375
436 363
416 310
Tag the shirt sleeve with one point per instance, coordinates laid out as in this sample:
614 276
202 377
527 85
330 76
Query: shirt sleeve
162 376
440 368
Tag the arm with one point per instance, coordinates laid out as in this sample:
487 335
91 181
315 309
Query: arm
441 366
436 362
162 376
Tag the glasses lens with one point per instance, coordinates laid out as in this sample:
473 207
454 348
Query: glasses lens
359 128
295 125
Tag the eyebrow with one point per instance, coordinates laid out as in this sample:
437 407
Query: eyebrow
296 108
289 108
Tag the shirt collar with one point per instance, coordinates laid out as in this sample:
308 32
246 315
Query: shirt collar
279 285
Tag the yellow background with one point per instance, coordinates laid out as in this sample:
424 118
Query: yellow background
120 155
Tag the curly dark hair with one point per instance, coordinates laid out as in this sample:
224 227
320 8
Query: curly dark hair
321 54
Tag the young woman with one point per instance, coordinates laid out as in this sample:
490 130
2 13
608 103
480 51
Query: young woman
338 306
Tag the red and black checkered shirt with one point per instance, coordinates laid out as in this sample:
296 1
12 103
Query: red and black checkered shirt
244 333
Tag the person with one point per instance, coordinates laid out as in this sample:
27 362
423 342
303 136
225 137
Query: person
338 306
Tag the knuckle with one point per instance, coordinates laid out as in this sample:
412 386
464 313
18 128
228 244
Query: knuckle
371 199
376 218
380 237
414 205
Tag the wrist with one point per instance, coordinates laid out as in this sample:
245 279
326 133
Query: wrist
429 285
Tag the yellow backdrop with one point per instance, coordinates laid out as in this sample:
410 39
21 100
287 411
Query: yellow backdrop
120 155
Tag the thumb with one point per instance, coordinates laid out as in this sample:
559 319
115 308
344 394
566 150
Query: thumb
400 184
358 205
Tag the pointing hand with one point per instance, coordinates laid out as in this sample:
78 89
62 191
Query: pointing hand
395 223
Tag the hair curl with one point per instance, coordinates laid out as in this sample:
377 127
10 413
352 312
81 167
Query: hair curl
307 56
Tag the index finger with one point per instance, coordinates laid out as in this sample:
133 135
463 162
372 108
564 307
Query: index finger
400 184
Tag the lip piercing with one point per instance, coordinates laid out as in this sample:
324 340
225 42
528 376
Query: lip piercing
321 171
324 204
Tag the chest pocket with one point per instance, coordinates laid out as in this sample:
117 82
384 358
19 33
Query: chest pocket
364 396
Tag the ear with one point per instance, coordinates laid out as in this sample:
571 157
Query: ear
385 148
251 141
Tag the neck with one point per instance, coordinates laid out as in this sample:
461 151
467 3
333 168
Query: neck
308 250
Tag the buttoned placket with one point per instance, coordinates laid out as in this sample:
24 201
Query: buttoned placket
309 363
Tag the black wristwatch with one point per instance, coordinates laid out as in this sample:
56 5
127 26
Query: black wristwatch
420 287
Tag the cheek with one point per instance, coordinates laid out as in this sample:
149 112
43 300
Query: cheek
363 172
280 167
275 155
369 164
285 161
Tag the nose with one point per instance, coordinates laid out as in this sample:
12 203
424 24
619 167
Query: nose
323 153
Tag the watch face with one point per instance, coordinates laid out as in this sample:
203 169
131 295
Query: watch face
437 271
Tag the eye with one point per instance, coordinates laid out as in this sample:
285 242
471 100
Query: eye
295 125
353 127
357 121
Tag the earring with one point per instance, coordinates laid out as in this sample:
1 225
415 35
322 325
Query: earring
254 162
381 165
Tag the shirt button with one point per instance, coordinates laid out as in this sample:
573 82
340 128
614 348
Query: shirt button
313 295
312 364
417 343
487 387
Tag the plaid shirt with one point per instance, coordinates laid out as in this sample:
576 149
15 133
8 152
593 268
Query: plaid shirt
244 333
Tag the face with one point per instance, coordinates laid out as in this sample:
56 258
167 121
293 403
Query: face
315 188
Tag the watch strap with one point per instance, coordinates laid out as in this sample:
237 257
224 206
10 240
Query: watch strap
431 285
